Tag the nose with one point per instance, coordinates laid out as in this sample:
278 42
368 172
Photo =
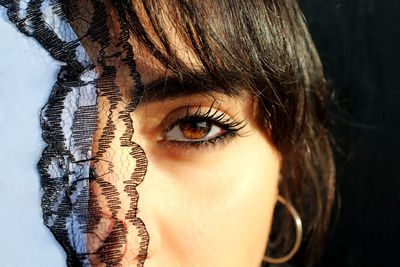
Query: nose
118 232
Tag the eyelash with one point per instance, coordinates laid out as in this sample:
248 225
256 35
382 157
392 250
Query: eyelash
231 128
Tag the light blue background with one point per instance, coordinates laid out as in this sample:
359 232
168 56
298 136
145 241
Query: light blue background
27 74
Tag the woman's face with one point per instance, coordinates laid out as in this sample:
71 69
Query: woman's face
210 184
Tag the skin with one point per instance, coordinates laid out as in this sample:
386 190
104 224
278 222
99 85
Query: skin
211 207
207 206
202 207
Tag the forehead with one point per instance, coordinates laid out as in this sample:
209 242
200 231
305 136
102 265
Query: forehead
162 82
161 78
150 68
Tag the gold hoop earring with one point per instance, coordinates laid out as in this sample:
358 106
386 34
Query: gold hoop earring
299 233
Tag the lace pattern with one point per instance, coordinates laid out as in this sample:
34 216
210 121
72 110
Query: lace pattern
97 63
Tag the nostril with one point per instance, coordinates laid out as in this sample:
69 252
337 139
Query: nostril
120 242
106 242
143 241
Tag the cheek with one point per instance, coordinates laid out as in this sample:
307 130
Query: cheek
216 212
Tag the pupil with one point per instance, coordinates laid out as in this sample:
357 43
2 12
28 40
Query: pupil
195 130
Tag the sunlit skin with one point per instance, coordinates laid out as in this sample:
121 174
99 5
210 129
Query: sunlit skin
202 207
208 205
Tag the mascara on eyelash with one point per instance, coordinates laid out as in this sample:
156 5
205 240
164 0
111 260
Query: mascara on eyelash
228 124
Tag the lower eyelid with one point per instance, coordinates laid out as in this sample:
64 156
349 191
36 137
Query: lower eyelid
190 146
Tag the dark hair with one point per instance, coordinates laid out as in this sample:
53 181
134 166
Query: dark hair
266 45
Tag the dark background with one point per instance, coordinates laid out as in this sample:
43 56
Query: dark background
358 41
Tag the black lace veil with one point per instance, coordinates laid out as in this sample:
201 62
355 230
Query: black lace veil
98 77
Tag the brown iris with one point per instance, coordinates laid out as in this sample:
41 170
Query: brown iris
195 129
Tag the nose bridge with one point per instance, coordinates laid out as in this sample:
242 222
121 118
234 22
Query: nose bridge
116 234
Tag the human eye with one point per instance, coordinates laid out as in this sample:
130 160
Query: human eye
200 127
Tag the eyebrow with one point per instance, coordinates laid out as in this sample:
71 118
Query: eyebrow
171 87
